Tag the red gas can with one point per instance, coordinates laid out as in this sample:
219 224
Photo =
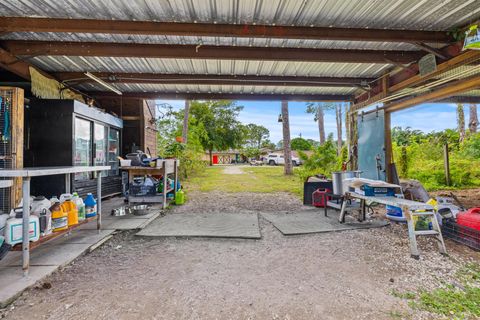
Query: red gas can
319 199
470 219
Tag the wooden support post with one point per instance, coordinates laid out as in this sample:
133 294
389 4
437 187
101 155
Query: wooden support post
446 163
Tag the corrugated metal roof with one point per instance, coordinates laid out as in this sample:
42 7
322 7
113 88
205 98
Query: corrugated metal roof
215 41
191 88
203 66
399 14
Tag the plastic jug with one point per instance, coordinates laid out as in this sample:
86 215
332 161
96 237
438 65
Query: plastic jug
80 206
90 206
38 204
71 210
14 229
59 218
65 196
180 197
54 200
45 219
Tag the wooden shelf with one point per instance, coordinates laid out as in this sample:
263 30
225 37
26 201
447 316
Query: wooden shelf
53 235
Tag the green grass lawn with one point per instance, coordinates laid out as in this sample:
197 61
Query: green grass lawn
454 302
254 179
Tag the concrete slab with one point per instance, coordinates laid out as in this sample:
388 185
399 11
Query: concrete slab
61 251
314 222
83 236
12 282
53 255
218 225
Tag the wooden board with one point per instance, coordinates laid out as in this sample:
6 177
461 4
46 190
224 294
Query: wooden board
53 235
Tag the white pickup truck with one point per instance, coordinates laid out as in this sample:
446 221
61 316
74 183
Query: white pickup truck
274 159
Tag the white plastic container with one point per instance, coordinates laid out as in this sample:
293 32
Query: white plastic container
38 204
3 222
125 163
65 196
13 230
53 200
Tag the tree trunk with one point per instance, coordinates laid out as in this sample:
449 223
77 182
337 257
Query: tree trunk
287 151
185 121
321 124
473 123
338 114
461 121
210 153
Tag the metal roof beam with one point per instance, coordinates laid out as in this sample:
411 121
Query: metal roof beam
27 24
102 49
449 90
157 78
411 77
221 96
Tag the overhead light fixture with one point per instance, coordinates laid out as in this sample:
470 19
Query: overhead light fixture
103 83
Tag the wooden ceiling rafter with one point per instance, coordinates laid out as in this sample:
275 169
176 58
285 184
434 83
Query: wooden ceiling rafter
411 78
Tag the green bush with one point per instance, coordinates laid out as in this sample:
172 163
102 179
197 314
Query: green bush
324 160
420 156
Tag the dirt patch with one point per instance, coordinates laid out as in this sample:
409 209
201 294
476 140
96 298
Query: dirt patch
470 198
233 170
344 275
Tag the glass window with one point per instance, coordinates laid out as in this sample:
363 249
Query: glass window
83 146
113 150
100 136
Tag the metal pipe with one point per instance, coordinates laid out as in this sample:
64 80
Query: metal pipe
26 225
99 200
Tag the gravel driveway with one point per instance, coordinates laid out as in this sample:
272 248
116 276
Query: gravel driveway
344 275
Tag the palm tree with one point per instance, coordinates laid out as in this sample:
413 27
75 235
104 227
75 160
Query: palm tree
461 121
318 109
338 117
185 121
287 151
473 122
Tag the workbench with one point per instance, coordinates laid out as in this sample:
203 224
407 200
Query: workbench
410 209
163 168
26 174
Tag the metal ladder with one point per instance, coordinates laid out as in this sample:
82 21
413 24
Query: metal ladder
410 209
412 233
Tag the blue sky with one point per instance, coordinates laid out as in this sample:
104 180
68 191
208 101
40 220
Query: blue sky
425 117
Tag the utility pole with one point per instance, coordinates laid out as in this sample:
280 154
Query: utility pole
185 121
287 151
